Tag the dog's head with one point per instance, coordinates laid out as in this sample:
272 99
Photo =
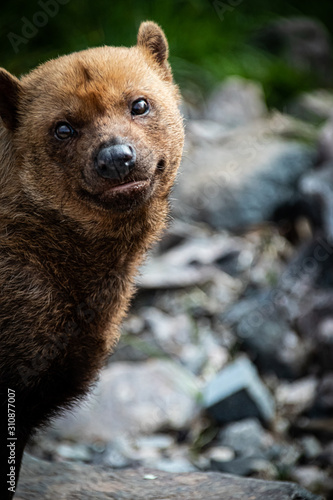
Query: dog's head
96 132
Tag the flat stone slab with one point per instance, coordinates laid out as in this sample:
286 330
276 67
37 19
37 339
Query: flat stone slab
65 481
237 392
132 399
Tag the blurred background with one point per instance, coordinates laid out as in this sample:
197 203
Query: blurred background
226 357
209 39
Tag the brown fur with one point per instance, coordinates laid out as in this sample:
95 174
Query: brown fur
68 249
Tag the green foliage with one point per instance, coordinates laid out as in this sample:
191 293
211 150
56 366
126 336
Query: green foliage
209 39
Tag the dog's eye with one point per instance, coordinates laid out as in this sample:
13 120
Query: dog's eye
140 107
64 131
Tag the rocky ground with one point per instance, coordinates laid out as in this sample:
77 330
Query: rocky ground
226 358
47 481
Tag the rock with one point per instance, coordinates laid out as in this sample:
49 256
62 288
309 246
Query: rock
323 404
271 252
132 399
158 451
207 130
265 333
74 452
115 456
156 274
171 332
252 447
296 397
133 324
304 286
326 456
146 451
155 441
312 477
287 456
237 392
318 188
235 102
316 325
244 466
320 426
47 481
177 335
303 298
220 454
174 465
246 438
311 447
194 262
243 178
325 142
205 358
315 106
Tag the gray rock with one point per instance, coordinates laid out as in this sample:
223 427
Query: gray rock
326 456
155 441
174 465
311 447
191 263
265 333
47 481
318 187
158 451
315 106
315 323
287 456
145 451
178 336
157 274
325 142
323 404
115 459
207 130
304 286
240 179
220 454
74 452
237 392
132 399
311 476
235 102
171 332
296 397
246 438
242 466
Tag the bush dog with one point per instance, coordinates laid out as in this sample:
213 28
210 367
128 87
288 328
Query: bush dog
90 144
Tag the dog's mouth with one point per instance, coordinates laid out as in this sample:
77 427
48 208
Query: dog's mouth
123 194
128 188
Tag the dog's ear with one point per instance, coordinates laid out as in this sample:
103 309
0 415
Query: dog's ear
10 92
152 38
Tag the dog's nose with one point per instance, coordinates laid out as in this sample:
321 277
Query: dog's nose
115 162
